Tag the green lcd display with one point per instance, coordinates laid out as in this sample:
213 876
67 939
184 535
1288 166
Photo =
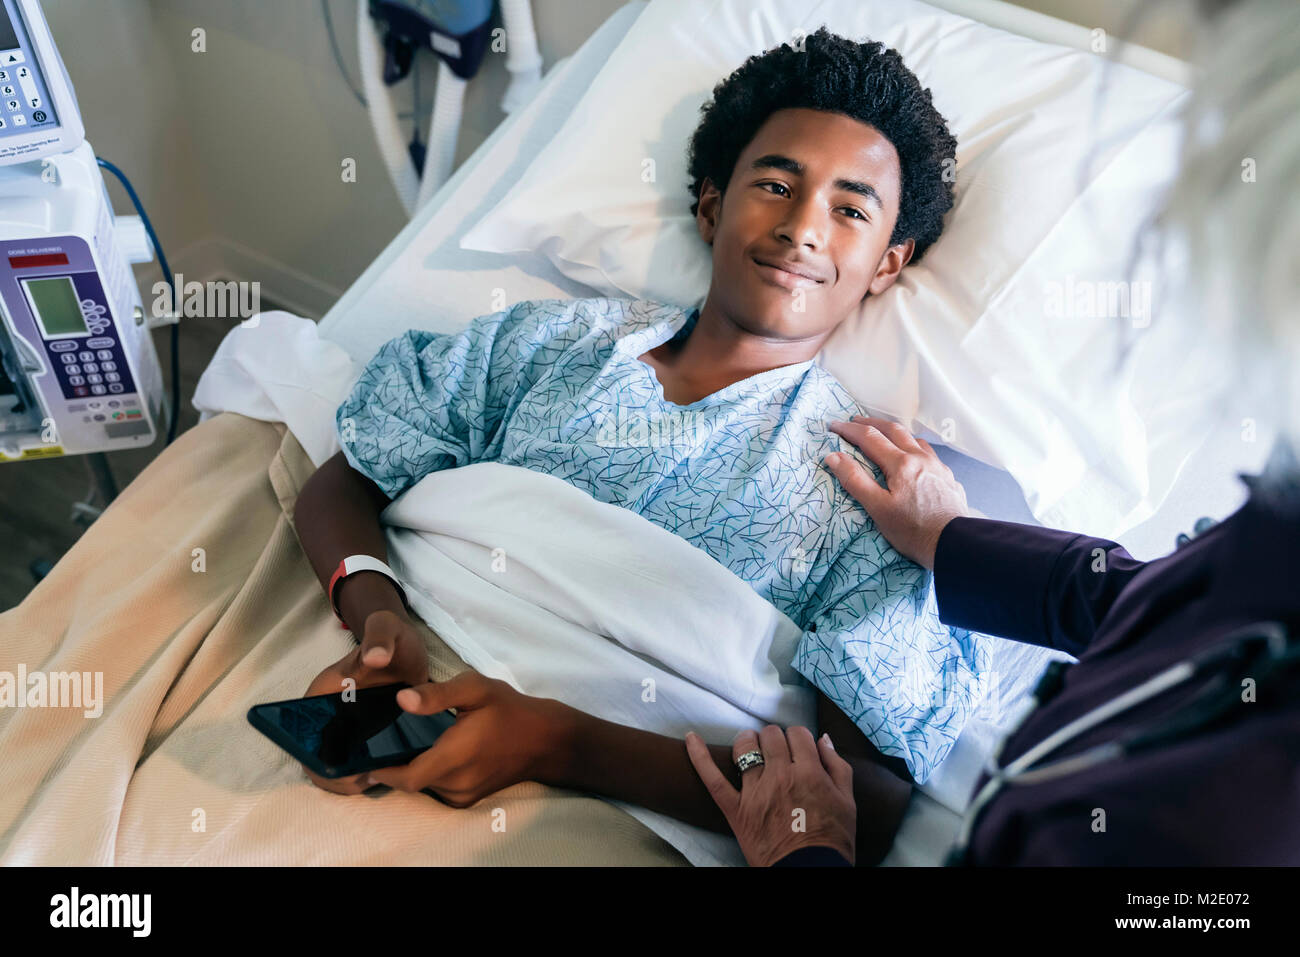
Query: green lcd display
57 308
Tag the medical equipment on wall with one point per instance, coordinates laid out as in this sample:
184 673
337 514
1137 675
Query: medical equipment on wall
1261 651
78 369
458 31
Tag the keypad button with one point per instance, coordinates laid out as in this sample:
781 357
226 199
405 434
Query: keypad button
97 390
92 379
76 380
73 368
19 120
108 366
68 359
92 367
112 377
104 354
87 356
115 387
100 342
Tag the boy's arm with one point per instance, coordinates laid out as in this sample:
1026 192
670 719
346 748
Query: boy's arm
882 785
337 515
640 767
655 772
424 402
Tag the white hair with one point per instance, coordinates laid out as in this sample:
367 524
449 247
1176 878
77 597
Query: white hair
1234 211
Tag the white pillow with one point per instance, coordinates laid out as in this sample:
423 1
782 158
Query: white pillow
943 350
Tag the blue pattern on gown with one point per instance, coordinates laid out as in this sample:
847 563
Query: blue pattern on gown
556 386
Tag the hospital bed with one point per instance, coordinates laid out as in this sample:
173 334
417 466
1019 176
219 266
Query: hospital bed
214 607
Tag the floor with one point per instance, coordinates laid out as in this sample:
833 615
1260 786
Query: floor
36 497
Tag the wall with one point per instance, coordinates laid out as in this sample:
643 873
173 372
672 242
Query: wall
136 117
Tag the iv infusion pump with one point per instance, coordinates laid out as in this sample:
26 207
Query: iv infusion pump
78 369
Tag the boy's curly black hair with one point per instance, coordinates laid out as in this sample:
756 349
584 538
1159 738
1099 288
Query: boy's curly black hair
866 81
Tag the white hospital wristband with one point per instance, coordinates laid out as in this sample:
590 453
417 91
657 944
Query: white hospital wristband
362 563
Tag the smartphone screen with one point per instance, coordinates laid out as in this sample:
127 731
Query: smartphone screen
336 737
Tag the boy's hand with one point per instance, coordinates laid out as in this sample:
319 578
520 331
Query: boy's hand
391 650
500 737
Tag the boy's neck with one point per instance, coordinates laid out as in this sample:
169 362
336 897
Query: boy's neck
717 353
719 349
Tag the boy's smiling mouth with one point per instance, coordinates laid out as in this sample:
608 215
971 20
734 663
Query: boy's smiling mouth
786 274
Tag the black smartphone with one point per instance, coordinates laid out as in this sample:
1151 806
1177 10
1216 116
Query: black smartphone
336 737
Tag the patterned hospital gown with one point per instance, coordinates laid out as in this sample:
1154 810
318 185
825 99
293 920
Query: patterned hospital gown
556 386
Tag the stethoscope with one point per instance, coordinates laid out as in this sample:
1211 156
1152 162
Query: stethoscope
1257 650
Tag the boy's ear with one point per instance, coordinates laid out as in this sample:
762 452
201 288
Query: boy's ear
891 264
706 215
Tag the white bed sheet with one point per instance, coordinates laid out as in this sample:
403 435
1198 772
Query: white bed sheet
424 279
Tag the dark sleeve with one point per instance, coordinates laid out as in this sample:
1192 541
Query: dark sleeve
1031 584
813 857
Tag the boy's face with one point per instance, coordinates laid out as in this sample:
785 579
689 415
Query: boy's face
819 192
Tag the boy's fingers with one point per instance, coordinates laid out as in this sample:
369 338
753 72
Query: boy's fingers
464 691
426 770
422 699
349 785
378 645
399 777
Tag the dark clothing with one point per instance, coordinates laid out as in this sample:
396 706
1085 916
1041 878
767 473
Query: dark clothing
813 857
1227 794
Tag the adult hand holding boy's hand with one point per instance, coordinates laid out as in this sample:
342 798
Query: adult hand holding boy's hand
800 796
500 737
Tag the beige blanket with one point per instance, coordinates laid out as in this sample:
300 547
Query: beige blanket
193 598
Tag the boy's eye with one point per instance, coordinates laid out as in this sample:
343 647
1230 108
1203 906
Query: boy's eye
857 213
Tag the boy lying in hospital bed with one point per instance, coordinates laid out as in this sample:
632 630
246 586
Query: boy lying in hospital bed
818 175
